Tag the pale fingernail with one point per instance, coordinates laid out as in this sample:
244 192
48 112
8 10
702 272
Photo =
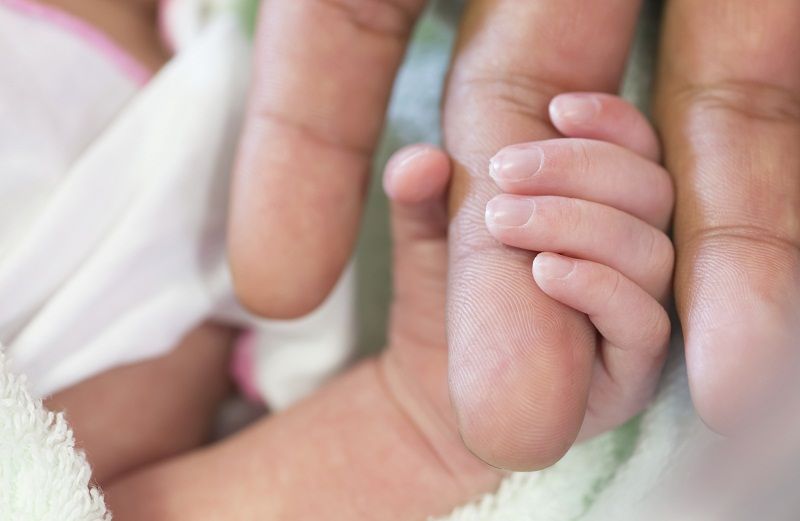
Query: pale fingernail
552 267
509 211
516 163
398 161
578 109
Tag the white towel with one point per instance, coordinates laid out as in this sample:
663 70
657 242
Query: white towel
42 476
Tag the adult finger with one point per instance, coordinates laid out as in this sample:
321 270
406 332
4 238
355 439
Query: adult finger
323 76
729 108
520 362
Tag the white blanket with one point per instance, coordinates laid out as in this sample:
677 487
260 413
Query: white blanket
42 476
113 205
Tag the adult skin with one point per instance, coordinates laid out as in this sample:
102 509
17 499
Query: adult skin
520 363
521 386
376 443
728 104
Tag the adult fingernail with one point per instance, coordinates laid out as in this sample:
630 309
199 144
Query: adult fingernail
552 266
578 109
516 163
509 211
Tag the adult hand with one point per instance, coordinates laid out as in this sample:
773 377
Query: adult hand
324 71
520 364
728 105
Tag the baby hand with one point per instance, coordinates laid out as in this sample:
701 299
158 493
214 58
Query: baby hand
597 204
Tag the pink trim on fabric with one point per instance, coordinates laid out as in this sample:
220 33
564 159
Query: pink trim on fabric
129 65
243 367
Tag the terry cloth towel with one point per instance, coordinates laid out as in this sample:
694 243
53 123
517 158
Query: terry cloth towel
42 476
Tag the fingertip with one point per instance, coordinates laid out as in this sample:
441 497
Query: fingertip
548 267
508 455
741 320
605 117
741 371
277 297
719 393
571 111
416 174
519 394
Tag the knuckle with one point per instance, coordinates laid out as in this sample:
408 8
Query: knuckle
661 252
663 330
582 156
647 241
750 237
513 91
559 217
612 285
665 196
752 100
312 134
760 262
512 450
571 212
657 331
385 18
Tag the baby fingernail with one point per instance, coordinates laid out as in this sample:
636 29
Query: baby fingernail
516 163
578 109
552 266
509 211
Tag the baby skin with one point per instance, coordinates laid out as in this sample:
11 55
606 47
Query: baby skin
596 204
381 441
